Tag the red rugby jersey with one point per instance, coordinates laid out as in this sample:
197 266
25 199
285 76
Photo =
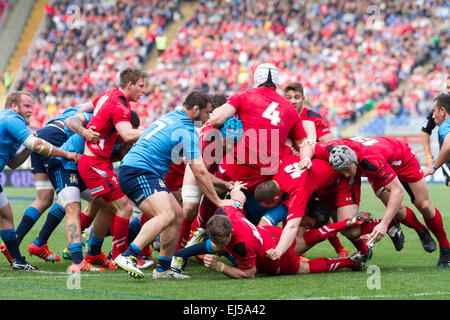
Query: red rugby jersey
111 107
268 119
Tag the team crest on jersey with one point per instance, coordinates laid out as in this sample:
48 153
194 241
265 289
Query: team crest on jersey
161 183
73 178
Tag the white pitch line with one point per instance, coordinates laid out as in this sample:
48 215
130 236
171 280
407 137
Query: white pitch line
419 294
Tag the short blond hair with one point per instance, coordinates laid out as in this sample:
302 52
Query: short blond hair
14 98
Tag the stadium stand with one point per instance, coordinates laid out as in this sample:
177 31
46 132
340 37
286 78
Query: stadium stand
82 48
351 63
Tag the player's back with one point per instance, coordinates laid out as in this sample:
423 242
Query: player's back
110 108
268 119
391 149
249 242
163 143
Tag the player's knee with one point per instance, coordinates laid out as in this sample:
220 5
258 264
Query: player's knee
350 233
190 210
424 206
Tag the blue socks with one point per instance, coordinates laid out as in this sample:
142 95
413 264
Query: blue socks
163 264
133 250
134 228
54 217
195 250
9 237
77 252
95 246
30 216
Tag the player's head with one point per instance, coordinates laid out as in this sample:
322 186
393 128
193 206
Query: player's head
266 75
20 102
268 194
132 83
344 160
219 229
198 106
218 99
441 108
294 93
318 213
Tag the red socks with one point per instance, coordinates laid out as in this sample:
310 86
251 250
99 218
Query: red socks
360 245
324 265
184 234
119 234
336 242
314 236
85 221
436 226
367 228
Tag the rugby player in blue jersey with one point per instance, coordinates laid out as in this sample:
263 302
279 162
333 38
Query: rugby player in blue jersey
14 133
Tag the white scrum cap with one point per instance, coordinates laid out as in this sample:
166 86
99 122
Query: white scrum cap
265 72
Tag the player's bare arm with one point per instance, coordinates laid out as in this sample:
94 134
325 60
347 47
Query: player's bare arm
310 129
444 156
47 149
425 138
204 181
19 158
287 238
87 107
127 133
77 124
393 206
212 262
221 114
306 152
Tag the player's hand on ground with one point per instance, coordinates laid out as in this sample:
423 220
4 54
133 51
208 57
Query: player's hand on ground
91 135
377 234
210 261
273 254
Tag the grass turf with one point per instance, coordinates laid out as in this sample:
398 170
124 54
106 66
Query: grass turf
405 275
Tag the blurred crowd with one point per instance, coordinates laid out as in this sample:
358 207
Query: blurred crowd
351 56
85 44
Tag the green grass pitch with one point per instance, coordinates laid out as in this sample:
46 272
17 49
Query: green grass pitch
405 275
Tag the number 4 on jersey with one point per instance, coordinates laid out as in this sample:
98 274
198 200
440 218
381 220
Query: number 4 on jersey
272 114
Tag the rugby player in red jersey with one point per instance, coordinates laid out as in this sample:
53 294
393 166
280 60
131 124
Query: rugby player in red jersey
388 163
317 129
111 118
230 231
268 119
294 187
294 93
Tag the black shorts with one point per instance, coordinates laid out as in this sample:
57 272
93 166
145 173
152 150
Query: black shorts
62 178
53 133
139 184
